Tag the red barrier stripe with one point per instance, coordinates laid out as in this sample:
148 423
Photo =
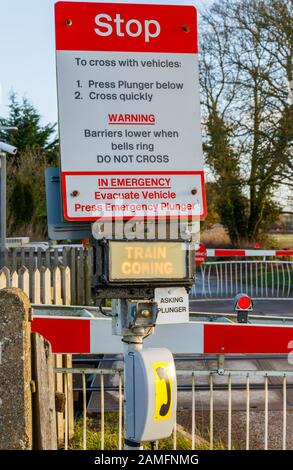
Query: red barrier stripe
229 252
66 335
284 253
237 252
247 339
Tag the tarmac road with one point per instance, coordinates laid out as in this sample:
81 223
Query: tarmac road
261 307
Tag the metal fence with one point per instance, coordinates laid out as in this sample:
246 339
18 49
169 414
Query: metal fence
257 278
203 387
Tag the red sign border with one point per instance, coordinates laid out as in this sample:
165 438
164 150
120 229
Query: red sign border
96 173
72 33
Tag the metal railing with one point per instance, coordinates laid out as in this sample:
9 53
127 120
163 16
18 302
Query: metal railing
257 278
207 391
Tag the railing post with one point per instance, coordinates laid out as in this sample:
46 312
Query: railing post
221 363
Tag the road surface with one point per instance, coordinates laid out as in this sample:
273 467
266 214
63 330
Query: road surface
261 307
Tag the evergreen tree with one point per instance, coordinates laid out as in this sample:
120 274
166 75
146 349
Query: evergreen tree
31 134
21 202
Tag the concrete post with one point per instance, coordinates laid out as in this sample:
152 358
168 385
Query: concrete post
15 370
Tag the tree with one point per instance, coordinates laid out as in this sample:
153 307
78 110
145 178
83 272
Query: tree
213 216
37 148
31 135
26 195
247 50
231 204
21 203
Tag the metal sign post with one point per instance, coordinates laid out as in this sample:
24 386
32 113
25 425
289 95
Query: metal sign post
150 378
4 149
3 209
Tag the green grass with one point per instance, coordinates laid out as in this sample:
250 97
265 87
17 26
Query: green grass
111 437
282 240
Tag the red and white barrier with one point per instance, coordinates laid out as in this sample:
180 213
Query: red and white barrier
94 336
247 253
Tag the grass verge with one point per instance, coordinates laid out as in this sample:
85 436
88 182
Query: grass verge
111 437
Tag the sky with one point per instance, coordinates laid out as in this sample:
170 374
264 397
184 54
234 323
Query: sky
27 52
